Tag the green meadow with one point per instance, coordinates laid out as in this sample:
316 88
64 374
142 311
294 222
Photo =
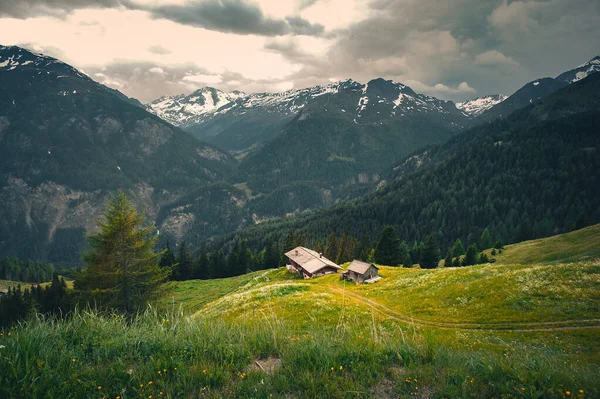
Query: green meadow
526 326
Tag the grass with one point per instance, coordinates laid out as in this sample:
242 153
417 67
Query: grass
167 355
576 246
524 327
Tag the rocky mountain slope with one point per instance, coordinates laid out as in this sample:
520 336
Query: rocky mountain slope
343 140
237 122
539 88
529 175
68 143
479 105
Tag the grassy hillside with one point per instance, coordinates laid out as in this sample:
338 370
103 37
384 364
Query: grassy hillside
506 330
576 246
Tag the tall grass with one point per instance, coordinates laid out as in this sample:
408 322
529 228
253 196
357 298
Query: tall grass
157 355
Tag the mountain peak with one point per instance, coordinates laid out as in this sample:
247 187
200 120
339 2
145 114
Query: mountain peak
581 72
479 105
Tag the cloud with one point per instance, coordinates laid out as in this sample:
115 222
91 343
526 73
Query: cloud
230 16
56 8
442 90
157 70
495 58
203 79
156 49
234 16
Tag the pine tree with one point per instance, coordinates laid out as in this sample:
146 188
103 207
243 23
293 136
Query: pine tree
168 261
123 271
471 256
331 249
202 265
448 260
486 239
183 270
429 256
387 251
271 256
457 249
407 262
499 244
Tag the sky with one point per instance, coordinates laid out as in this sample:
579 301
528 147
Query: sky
451 49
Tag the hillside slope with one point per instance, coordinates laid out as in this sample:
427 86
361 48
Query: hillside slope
576 246
530 175
68 143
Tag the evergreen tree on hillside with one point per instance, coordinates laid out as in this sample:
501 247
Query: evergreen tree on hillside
167 260
332 247
271 255
457 249
448 260
407 261
201 269
415 252
486 239
429 255
123 271
471 256
387 251
183 271
218 264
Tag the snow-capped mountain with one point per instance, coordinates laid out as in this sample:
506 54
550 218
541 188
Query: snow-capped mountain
479 105
68 143
237 121
581 72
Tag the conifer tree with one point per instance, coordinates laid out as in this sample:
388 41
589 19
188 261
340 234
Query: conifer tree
407 262
486 239
429 255
183 270
448 260
471 256
123 271
387 251
457 249
331 249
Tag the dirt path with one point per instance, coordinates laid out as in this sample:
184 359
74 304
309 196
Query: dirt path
500 326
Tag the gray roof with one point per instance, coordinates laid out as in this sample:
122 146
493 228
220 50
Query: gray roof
360 267
310 260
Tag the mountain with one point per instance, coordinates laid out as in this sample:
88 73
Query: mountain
531 92
235 121
532 174
346 138
238 122
581 72
539 88
477 106
69 143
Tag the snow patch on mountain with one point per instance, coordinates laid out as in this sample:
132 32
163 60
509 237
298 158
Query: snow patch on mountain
581 72
479 105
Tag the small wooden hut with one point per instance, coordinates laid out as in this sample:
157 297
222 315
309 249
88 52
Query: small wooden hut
361 272
309 263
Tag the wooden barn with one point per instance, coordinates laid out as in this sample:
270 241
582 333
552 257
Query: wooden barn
361 272
309 263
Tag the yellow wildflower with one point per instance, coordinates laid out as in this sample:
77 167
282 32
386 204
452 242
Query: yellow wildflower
73 360
149 382
568 393
99 387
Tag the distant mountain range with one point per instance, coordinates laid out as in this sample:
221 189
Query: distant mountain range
69 143
236 121
479 105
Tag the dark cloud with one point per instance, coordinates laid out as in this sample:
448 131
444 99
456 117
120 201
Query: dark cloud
300 26
234 16
228 16
57 8
491 46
